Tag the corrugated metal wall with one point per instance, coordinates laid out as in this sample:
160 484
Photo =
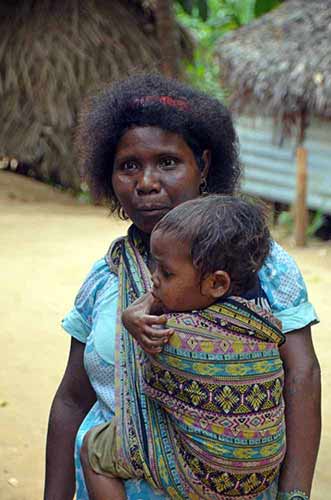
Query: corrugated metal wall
269 167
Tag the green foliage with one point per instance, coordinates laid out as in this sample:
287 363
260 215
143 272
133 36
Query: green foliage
286 222
84 197
200 5
208 21
263 6
315 223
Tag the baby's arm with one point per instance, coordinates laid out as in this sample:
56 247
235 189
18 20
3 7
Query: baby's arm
142 321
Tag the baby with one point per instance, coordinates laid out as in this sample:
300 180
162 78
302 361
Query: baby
212 419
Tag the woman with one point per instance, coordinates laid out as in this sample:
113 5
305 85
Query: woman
147 145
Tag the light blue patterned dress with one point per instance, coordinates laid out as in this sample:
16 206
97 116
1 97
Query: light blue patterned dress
92 321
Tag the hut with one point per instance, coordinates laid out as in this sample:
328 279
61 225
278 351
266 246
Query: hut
278 72
51 55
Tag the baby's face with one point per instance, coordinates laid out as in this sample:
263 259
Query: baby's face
176 282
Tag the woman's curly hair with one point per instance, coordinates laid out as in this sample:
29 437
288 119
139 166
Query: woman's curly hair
153 100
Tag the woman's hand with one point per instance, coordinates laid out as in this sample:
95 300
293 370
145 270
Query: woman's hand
148 329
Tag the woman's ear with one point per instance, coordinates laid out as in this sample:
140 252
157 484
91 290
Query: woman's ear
216 284
206 157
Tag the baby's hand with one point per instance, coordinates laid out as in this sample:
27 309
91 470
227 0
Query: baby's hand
144 327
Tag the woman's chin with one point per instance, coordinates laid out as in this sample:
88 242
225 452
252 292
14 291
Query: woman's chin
149 220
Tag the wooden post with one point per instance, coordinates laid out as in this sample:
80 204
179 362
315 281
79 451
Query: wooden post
301 214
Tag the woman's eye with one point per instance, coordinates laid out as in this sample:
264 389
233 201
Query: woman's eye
168 162
129 166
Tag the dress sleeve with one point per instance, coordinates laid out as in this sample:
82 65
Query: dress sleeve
285 288
78 322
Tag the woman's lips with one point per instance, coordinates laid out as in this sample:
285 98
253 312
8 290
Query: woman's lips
151 207
152 210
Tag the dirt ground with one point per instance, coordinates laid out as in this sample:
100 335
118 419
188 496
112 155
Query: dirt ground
48 243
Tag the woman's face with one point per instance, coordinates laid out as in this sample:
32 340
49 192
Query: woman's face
154 171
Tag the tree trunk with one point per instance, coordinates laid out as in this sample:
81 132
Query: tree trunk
168 37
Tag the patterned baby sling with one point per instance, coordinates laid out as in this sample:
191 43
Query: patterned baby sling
205 418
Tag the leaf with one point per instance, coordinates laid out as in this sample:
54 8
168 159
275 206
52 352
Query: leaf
203 9
246 11
264 6
201 6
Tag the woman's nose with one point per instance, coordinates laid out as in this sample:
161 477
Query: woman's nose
148 182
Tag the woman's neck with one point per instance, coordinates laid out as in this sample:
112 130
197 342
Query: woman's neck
145 238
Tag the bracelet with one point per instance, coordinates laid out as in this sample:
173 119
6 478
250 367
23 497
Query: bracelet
292 495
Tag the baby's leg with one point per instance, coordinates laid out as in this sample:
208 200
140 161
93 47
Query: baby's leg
100 487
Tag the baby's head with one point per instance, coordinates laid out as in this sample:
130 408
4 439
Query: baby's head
207 248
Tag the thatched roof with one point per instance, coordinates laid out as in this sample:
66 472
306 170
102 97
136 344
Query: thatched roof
52 53
280 64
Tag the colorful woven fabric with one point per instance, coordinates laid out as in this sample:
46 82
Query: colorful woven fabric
205 418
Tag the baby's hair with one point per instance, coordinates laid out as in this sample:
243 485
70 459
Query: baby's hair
153 100
224 233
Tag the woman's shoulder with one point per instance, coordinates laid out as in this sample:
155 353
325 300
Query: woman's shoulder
100 284
278 253
286 290
99 269
99 278
279 264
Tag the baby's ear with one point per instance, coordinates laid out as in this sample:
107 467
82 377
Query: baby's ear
216 284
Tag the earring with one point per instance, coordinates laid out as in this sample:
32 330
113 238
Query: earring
203 186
